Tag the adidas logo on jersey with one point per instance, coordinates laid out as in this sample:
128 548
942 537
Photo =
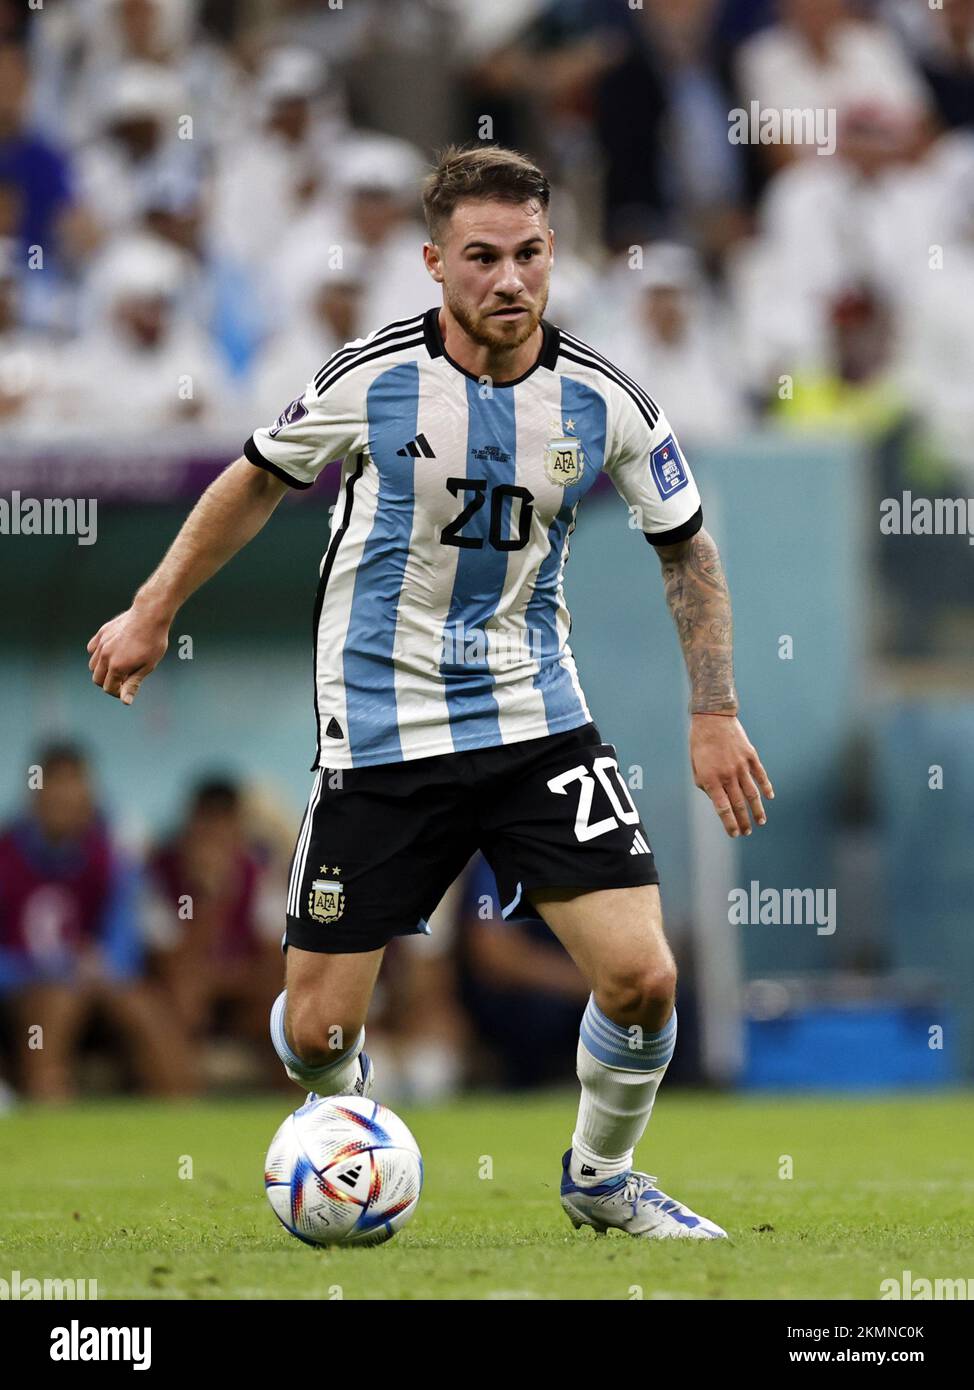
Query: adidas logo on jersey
639 845
420 446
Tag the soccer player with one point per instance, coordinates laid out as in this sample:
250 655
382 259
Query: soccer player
449 712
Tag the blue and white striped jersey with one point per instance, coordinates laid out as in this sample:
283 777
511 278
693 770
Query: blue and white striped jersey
440 620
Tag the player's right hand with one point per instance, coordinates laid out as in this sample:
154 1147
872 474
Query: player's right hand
125 650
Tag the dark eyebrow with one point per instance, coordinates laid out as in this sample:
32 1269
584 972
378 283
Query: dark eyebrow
489 246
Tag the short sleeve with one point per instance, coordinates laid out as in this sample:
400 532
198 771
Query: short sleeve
651 474
326 422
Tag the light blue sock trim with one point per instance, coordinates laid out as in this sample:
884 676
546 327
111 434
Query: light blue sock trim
317 1075
616 1046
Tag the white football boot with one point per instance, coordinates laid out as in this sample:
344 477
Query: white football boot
633 1203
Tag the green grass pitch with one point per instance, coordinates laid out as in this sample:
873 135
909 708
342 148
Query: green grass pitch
879 1186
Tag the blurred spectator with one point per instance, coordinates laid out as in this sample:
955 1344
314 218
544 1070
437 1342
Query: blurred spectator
279 164
136 142
327 315
26 359
69 940
143 364
524 994
867 211
856 391
223 297
576 80
377 179
79 49
948 62
819 57
701 171
40 206
674 347
941 38
215 922
27 161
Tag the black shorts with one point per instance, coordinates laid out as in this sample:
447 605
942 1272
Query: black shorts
379 846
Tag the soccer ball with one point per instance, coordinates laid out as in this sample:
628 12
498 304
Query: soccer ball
343 1170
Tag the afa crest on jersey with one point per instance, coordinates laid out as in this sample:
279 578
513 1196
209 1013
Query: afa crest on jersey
564 460
326 901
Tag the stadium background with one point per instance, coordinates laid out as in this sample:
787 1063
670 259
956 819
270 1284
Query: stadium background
805 322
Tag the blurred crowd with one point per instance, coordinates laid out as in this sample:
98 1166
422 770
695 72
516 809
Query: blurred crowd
154 971
201 199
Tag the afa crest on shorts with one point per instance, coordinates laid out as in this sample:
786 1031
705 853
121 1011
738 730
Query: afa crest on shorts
564 460
326 901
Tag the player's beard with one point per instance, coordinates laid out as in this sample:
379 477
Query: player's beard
483 330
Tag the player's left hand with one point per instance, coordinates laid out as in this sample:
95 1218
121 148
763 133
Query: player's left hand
726 766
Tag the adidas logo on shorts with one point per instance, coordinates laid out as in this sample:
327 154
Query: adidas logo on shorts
639 845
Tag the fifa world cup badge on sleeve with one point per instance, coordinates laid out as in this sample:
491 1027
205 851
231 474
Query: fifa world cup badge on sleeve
326 901
564 460
668 469
290 415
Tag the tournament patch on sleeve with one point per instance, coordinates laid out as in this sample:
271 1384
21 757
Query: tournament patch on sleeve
668 468
290 415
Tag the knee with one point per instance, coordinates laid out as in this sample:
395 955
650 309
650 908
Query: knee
314 1036
638 993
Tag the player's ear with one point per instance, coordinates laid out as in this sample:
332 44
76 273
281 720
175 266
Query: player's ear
432 261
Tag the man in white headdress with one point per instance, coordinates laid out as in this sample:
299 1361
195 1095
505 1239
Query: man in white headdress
144 365
138 140
674 342
373 206
327 314
279 165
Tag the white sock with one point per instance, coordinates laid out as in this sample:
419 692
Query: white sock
620 1072
336 1078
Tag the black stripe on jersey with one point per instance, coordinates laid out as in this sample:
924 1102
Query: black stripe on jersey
590 351
677 533
586 356
338 372
397 328
252 452
390 334
649 416
326 569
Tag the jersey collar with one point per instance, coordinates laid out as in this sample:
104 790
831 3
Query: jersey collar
435 346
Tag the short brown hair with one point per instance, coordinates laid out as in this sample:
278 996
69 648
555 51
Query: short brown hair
479 171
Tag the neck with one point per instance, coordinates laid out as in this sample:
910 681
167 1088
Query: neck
500 364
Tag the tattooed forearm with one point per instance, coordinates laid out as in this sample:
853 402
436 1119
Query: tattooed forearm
697 594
